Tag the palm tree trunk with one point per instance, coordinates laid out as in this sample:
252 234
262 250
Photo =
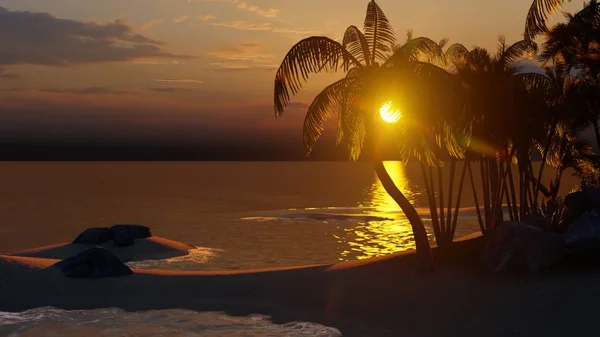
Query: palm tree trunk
424 255
597 131
486 192
442 218
511 181
432 207
448 234
495 180
481 224
543 163
458 200
433 202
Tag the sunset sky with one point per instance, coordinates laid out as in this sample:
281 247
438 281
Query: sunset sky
189 70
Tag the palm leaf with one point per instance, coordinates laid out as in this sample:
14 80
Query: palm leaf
320 111
312 55
518 51
379 33
351 120
356 43
457 54
534 82
560 46
415 49
587 17
539 13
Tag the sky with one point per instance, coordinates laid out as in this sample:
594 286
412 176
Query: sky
194 72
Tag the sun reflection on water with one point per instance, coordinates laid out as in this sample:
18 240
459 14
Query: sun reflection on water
377 238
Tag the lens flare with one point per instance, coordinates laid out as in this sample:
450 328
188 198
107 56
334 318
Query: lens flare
388 114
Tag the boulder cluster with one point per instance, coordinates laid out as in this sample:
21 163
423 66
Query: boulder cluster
98 262
525 246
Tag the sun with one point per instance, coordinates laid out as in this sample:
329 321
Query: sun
389 115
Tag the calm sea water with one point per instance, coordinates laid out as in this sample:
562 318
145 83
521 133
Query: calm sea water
239 215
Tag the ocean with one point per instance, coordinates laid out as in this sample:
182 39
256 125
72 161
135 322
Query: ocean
239 216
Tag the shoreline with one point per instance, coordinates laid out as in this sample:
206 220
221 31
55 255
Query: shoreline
376 297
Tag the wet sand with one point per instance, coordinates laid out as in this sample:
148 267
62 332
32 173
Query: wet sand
377 297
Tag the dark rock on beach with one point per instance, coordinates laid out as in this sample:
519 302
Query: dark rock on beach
519 247
137 231
123 239
93 263
95 236
579 203
583 237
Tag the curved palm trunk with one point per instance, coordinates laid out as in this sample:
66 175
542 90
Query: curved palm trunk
424 255
596 131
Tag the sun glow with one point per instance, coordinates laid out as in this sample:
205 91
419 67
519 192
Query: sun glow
388 114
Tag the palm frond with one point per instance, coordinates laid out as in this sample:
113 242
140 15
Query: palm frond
457 54
409 35
518 51
311 55
356 43
379 33
418 146
587 17
416 49
539 83
538 15
321 110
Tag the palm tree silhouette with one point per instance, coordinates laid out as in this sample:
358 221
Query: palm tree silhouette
377 71
538 15
503 115
574 46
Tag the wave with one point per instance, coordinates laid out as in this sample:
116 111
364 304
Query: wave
320 217
116 322
196 257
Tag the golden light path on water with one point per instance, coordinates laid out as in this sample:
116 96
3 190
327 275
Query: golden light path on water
378 238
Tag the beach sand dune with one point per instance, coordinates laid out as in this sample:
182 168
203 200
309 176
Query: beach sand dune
377 297
153 248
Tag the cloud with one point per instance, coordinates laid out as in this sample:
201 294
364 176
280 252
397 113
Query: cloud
207 17
5 76
181 19
168 89
263 26
88 91
151 24
298 105
155 61
245 25
238 67
178 80
242 52
262 11
42 39
266 12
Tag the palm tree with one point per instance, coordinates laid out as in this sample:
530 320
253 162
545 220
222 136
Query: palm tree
502 113
377 72
575 43
538 15
575 47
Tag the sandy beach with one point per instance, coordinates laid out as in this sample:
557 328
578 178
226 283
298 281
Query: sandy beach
377 297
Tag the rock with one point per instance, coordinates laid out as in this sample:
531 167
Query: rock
583 237
123 239
95 236
579 203
137 231
519 247
93 263
593 196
